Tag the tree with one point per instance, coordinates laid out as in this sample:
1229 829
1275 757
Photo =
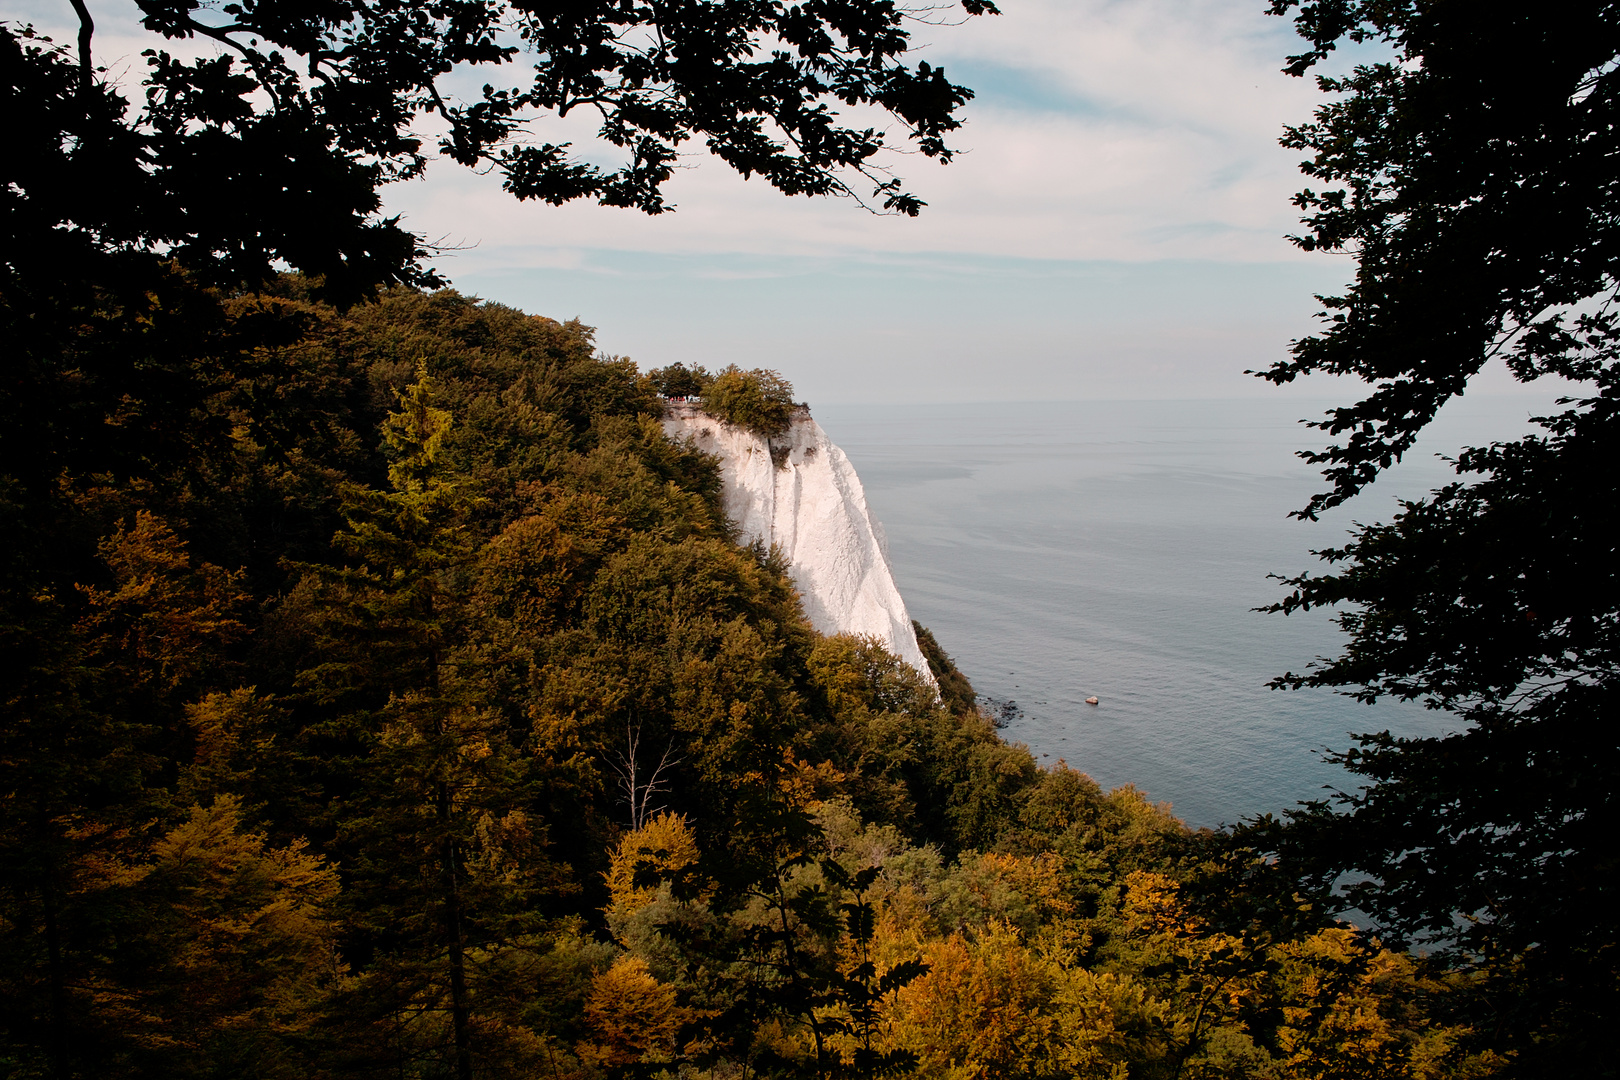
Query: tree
759 400
233 954
270 151
1472 179
443 855
1472 176
679 381
93 709
858 994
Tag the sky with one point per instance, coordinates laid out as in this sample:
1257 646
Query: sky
1113 229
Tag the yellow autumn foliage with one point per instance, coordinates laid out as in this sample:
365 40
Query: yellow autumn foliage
992 1006
632 1017
666 843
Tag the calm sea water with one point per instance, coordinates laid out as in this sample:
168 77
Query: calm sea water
1116 549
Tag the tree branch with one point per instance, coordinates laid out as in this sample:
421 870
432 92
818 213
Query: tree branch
87 27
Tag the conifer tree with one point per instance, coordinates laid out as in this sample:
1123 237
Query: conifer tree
94 696
438 844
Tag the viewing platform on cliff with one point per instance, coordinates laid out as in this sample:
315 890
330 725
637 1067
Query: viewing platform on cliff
692 408
683 407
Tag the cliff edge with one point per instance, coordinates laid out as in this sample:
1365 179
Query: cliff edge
812 506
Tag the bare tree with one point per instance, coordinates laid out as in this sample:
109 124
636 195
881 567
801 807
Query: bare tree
639 788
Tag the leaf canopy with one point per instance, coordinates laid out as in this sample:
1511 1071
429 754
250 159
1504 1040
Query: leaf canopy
1472 177
268 152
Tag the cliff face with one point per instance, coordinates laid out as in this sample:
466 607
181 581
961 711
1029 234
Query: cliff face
815 510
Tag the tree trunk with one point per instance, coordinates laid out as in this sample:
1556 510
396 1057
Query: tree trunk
456 947
87 27
53 952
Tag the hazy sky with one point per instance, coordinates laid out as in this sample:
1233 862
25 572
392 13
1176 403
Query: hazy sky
1115 228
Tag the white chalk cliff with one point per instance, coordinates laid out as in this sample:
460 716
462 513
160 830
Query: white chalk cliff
815 510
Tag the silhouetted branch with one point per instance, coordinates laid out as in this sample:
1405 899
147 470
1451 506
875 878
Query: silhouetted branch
87 27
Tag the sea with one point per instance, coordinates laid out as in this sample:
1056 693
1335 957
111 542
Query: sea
1118 550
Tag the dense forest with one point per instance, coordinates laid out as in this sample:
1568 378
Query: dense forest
397 702
385 695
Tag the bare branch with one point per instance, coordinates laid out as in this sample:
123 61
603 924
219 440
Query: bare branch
87 27
637 793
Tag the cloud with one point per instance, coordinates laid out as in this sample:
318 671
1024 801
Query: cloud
1103 130
1113 229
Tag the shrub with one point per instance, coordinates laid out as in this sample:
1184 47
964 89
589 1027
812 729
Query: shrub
679 381
759 400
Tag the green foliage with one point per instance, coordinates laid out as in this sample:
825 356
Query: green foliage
858 953
954 689
680 381
1442 167
326 630
331 703
272 152
237 944
759 400
1472 178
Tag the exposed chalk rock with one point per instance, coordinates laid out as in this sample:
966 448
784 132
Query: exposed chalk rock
814 509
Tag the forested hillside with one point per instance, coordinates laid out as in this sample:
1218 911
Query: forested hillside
386 696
